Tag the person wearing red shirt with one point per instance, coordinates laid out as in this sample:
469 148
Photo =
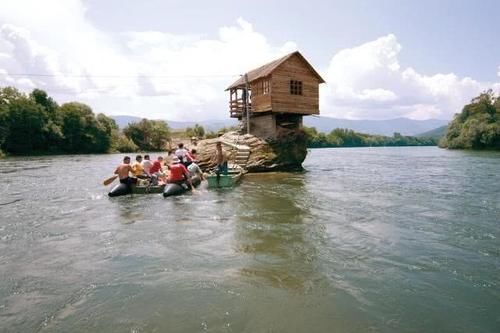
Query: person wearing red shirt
178 173
156 165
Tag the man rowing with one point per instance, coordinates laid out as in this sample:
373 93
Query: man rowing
123 171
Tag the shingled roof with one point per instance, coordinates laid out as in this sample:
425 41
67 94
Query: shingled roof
268 68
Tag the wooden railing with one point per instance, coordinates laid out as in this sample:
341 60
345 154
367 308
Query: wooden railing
237 108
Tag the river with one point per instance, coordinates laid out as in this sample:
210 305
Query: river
365 240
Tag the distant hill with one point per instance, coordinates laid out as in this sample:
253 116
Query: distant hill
404 126
436 133
209 125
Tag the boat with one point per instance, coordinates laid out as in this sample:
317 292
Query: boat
230 179
144 187
176 189
123 189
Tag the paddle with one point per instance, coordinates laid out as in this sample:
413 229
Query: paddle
109 180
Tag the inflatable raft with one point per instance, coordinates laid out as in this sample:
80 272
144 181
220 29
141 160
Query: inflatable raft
167 190
124 189
176 189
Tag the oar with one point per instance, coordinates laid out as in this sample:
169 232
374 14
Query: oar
109 180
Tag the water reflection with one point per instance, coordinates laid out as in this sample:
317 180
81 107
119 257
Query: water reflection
273 229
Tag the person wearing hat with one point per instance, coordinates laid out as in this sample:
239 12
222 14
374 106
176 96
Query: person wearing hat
178 173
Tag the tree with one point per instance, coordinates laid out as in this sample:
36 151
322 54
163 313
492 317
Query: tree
83 131
53 135
26 127
477 126
149 135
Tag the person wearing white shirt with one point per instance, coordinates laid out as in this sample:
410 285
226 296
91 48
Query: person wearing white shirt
147 164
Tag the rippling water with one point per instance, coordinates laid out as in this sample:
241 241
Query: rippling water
366 240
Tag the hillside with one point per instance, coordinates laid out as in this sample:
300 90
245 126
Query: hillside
388 127
404 126
436 133
209 125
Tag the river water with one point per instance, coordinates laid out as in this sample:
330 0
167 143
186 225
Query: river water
365 240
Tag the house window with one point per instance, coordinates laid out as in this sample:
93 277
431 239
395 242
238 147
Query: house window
295 87
265 87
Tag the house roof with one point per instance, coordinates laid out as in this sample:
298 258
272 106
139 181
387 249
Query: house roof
268 68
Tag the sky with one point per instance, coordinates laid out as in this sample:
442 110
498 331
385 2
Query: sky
381 59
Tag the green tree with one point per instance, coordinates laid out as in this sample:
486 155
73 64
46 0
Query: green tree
53 135
26 127
199 131
477 126
83 131
123 144
149 135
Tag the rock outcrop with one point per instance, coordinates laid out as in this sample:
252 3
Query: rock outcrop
285 153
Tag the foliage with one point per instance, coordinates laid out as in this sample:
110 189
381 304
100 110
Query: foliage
477 126
149 135
26 125
35 123
123 144
290 148
198 131
341 137
84 132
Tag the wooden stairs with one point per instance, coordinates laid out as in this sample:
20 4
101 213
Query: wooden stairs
239 153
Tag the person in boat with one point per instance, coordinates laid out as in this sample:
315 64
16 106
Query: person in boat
156 170
178 173
123 171
146 165
157 166
190 158
181 153
137 168
193 168
220 159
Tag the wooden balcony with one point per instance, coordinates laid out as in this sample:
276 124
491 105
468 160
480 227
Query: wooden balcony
237 108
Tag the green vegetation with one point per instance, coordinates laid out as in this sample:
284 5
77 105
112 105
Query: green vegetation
148 135
341 137
198 131
477 126
436 133
36 124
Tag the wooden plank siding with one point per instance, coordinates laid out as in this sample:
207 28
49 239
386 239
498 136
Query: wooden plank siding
260 102
282 100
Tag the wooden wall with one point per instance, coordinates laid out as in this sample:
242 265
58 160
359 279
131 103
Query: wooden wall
260 102
282 100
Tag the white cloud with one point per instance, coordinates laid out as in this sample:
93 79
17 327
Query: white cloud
368 82
157 74
146 73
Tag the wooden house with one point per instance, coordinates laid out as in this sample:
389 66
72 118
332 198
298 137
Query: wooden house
278 95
